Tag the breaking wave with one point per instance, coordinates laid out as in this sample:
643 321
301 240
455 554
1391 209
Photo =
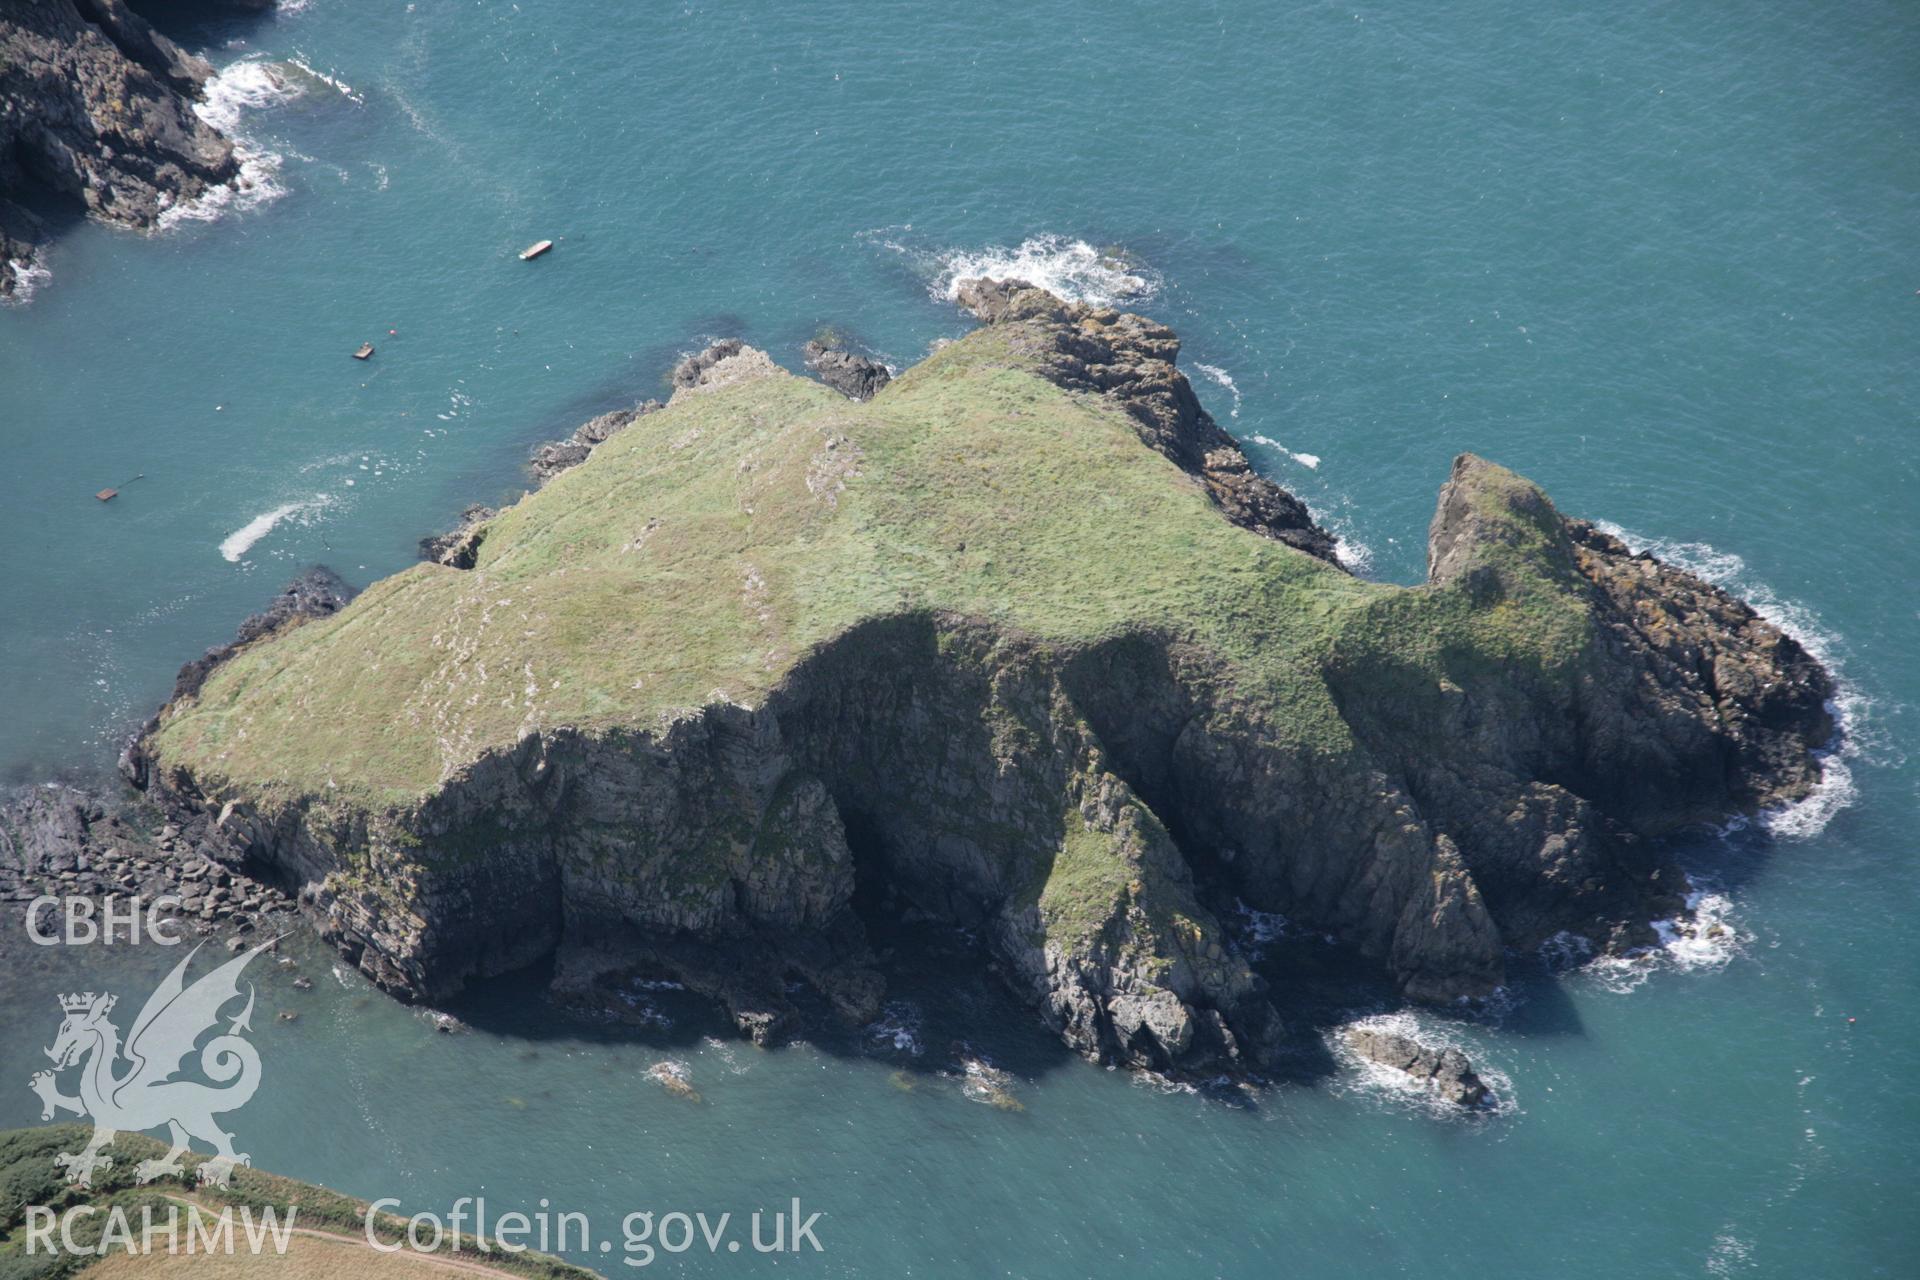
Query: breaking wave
1399 1089
239 87
1216 374
1311 461
27 279
897 1028
1709 938
1070 268
241 540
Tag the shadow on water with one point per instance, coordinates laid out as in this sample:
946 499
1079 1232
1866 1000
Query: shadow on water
948 1005
948 1017
198 24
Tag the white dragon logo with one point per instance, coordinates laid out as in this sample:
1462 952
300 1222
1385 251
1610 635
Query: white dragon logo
145 1096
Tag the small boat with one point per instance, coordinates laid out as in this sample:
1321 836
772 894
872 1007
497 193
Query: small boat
365 351
107 495
535 249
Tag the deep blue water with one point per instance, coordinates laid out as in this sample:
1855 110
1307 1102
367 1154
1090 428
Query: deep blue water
1661 258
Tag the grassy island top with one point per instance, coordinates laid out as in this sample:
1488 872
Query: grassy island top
700 554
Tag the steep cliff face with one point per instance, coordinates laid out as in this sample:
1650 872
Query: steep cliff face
95 112
770 662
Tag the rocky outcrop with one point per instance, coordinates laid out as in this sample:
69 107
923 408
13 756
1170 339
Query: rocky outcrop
95 112
1444 1070
66 842
315 593
768 664
550 459
1130 360
457 547
856 377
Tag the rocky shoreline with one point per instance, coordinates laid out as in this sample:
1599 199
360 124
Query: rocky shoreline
63 842
96 115
1483 802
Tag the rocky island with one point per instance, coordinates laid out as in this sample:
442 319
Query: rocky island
96 115
1019 644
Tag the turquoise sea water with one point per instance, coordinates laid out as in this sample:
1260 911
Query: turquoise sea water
1660 258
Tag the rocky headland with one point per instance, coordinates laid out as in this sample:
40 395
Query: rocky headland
96 115
1020 645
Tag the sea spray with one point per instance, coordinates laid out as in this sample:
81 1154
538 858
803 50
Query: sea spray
1218 375
1397 1088
1066 267
236 544
27 279
1707 936
240 87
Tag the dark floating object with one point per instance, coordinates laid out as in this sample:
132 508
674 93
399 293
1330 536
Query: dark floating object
365 351
535 249
108 495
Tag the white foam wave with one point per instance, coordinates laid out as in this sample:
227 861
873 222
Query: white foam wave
1258 929
1348 549
1851 708
1215 373
240 87
1709 938
27 279
1311 461
340 86
251 84
981 1081
241 540
898 1027
643 1010
1062 265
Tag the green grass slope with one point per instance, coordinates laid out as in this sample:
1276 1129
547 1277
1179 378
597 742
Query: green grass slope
697 556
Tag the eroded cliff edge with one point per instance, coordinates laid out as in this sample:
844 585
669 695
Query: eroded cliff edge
1022 645
96 115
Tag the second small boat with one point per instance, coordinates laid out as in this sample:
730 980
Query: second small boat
535 249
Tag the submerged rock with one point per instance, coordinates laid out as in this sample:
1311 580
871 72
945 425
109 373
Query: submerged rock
675 1078
1021 647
